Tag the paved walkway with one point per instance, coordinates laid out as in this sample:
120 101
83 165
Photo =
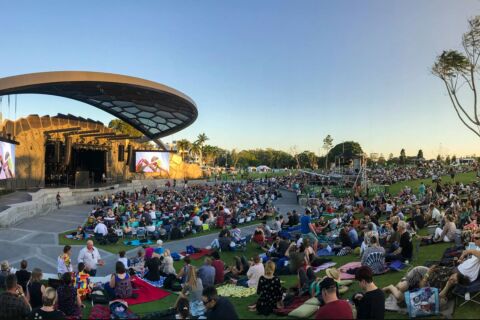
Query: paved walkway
36 239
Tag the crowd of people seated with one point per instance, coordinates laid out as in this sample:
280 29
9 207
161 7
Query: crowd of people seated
174 213
378 229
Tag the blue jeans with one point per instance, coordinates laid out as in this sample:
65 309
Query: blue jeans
243 282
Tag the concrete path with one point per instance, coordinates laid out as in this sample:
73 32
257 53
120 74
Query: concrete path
36 239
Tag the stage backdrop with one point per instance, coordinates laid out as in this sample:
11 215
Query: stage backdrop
7 160
152 161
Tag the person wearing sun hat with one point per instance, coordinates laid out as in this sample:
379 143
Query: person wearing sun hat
335 275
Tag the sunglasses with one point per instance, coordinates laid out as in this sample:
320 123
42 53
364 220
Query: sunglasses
476 238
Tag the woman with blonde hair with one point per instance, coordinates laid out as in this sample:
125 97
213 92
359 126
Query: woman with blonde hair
269 290
47 310
35 289
167 264
192 289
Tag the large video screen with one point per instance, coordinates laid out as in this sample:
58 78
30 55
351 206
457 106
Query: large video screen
7 160
152 161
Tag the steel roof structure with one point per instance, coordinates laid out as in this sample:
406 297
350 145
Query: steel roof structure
152 108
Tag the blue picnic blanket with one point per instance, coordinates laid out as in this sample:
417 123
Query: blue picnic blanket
136 242
158 284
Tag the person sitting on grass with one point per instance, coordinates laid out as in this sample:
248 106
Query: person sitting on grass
254 273
414 279
68 300
468 269
371 303
219 268
167 264
373 247
405 249
47 309
218 308
183 273
193 289
182 308
207 272
269 291
35 289
333 308
153 266
120 285
237 270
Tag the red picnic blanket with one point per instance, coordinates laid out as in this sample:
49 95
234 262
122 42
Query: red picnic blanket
198 255
145 292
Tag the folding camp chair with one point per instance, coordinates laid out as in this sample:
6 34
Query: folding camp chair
141 233
469 293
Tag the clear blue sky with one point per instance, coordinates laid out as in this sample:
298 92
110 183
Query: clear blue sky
263 73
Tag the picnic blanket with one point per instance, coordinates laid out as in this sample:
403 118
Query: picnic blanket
69 236
324 266
136 242
351 265
198 255
231 290
157 284
146 292
102 312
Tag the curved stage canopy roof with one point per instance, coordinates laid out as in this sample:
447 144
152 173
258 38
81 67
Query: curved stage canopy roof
152 108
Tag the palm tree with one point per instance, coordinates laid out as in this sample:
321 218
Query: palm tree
201 139
183 146
196 150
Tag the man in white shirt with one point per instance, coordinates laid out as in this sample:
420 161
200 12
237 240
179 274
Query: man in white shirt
101 228
468 269
90 256
436 215
197 223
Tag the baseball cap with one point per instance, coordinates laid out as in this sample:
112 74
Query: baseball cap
327 283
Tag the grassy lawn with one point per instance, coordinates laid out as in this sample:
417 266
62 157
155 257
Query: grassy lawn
467 177
426 253
119 246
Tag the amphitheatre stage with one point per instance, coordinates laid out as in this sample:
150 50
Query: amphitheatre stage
66 150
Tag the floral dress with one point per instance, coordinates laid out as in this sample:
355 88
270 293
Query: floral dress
270 292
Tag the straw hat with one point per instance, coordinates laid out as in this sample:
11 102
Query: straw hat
333 273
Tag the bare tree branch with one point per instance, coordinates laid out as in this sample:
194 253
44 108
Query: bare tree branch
458 114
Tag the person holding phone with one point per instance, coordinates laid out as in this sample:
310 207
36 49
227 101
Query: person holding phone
13 302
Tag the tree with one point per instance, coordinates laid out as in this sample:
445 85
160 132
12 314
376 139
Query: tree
346 151
183 147
381 160
454 158
390 156
456 69
447 160
439 158
294 153
234 157
403 157
124 128
420 154
327 145
201 139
